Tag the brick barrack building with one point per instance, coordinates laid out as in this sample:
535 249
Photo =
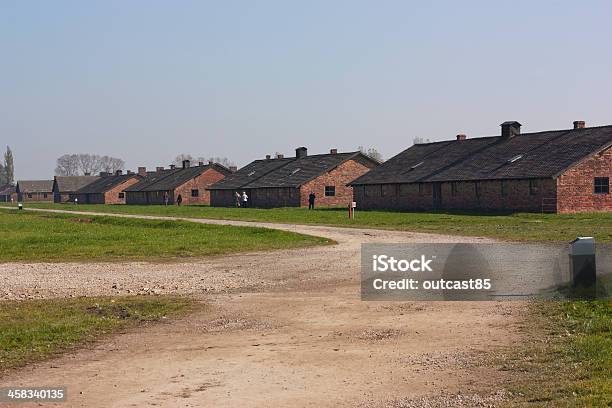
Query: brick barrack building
190 183
288 181
107 189
562 171
65 187
34 190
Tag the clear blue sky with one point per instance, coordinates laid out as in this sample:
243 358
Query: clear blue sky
147 80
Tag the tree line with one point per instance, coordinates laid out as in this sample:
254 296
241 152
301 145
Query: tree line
84 163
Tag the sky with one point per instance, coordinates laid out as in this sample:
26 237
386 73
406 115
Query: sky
148 80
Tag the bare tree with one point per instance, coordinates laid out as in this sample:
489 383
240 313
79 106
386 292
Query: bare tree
67 165
178 160
224 161
111 164
372 153
84 163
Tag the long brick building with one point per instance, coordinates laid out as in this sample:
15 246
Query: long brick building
188 182
65 187
287 182
34 190
107 189
561 171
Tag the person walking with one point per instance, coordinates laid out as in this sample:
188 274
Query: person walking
311 200
237 198
245 199
166 198
179 200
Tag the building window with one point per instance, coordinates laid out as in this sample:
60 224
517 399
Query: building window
29 195
121 195
44 195
453 189
195 193
504 188
602 185
533 187
330 191
421 189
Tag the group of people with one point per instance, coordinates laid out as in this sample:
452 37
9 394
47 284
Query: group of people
242 200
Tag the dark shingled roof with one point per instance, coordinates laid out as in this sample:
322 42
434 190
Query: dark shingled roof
287 172
105 183
250 172
529 155
35 186
165 180
70 184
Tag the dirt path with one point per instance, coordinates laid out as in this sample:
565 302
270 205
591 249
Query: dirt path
284 328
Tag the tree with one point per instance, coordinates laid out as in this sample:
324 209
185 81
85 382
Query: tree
9 168
372 153
84 163
178 160
2 175
224 161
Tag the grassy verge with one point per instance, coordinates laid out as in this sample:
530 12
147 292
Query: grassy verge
37 329
29 236
523 227
568 361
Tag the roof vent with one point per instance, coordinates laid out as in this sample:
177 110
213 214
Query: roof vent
579 124
267 157
280 156
251 173
515 158
210 162
172 167
295 171
510 129
158 169
118 172
142 171
186 164
461 136
104 174
333 151
301 152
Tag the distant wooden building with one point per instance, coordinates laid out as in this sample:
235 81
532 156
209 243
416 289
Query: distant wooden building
107 189
287 182
34 190
188 182
65 187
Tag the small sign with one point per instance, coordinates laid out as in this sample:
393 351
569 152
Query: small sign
354 204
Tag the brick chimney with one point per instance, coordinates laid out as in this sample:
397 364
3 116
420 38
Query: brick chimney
158 169
233 168
267 157
333 151
280 156
579 124
142 171
211 162
104 174
118 173
186 164
172 167
510 129
87 174
301 152
461 136
130 172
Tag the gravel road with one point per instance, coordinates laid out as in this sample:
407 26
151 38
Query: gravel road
282 328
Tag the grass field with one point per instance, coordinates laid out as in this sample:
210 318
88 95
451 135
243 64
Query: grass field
28 236
528 227
36 329
568 363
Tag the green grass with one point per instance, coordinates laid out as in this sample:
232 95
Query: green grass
37 329
30 236
568 360
521 226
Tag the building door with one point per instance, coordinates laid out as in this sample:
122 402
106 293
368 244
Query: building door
437 195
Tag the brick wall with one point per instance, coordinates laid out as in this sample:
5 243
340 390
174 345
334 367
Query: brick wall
112 196
486 195
576 186
24 197
199 183
339 178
